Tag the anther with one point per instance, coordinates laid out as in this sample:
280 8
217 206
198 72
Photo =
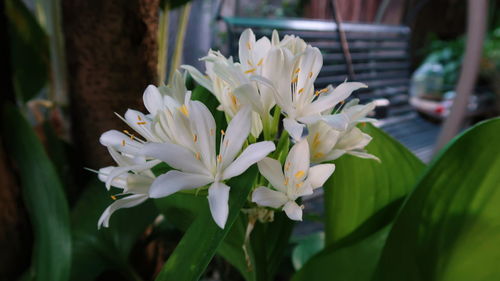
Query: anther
260 62
297 70
251 70
249 46
301 90
141 123
197 155
113 197
299 174
310 74
123 142
219 158
222 132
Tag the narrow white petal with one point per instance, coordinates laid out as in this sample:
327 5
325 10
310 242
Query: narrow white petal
175 156
318 174
337 121
293 128
126 202
293 211
365 155
203 125
119 171
138 184
153 100
297 160
246 44
252 154
247 94
218 200
329 100
199 77
119 181
236 134
264 196
174 181
272 171
120 142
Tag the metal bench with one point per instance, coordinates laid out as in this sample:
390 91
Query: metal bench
379 57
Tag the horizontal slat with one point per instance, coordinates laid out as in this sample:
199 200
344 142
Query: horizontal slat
367 76
357 57
312 25
333 36
364 67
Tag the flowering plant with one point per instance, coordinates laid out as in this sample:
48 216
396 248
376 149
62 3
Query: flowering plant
318 127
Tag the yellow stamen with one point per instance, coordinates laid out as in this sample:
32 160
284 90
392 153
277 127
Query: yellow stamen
316 140
132 137
299 174
310 74
363 124
342 102
123 142
286 181
249 63
260 62
318 155
141 123
113 197
295 79
287 166
126 132
249 46
251 70
139 118
195 137
219 158
301 90
324 90
298 185
297 70
234 101
197 155
184 110
222 132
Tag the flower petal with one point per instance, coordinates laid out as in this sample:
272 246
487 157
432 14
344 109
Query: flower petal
245 45
318 174
236 134
297 161
203 125
120 142
293 211
365 155
199 77
153 100
337 121
329 100
175 156
294 128
272 171
126 202
218 200
252 154
174 181
264 196
118 181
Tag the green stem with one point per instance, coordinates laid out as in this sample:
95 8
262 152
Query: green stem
163 43
276 120
179 41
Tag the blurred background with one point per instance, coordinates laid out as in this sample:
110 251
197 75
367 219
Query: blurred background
69 65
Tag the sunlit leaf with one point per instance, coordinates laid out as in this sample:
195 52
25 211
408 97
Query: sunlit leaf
449 229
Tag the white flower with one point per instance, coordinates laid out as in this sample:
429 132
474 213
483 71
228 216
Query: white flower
292 80
295 180
132 175
203 167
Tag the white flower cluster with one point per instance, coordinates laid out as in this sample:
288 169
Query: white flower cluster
181 132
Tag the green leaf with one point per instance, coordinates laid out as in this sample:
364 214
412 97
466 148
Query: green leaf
43 196
108 248
449 228
362 196
355 262
29 47
306 248
203 237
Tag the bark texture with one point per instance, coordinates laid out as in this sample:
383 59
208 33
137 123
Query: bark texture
112 55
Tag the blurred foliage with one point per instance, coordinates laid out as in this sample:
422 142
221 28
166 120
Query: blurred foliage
29 51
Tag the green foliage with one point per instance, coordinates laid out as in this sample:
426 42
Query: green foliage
43 196
449 228
306 248
29 50
354 262
94 250
364 195
203 237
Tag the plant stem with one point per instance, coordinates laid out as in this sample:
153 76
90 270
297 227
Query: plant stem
179 41
163 43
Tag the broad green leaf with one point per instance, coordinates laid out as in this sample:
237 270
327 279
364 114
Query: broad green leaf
43 196
449 228
203 237
30 53
355 262
364 195
306 248
94 250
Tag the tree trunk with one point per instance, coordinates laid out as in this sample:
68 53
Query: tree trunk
111 51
